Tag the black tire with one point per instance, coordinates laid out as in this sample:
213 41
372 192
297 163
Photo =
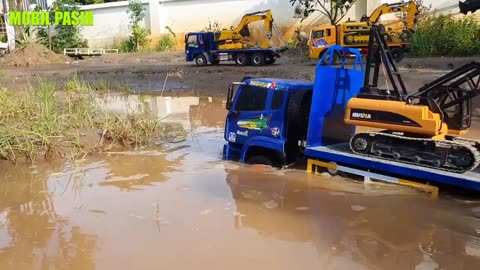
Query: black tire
259 159
258 59
215 62
298 112
336 57
241 60
398 54
200 60
361 143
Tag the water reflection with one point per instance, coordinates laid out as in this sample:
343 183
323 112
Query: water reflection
32 235
352 231
191 111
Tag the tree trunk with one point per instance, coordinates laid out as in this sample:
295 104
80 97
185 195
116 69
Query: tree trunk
16 5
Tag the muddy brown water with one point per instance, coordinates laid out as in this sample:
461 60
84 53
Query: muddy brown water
180 206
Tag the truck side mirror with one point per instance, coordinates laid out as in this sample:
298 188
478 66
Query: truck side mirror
229 97
230 94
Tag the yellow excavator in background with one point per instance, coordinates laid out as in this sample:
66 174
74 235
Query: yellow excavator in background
356 34
410 8
234 38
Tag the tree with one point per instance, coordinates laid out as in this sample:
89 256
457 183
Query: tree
63 36
334 10
138 37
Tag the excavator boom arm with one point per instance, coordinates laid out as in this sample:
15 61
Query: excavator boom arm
247 19
447 93
410 7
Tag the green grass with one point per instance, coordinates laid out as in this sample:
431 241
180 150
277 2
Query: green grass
446 36
43 122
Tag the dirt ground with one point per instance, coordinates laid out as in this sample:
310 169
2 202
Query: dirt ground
32 55
154 72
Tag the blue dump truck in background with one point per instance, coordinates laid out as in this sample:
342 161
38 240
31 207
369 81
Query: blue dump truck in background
202 48
275 122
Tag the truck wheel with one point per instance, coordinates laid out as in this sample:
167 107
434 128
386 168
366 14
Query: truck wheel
200 60
259 159
398 54
258 59
241 59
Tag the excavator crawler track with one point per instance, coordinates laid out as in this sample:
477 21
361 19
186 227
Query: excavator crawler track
457 155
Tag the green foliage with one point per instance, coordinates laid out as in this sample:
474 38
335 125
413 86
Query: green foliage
291 43
334 10
39 123
214 26
136 40
3 38
136 11
166 43
64 36
138 37
28 37
446 36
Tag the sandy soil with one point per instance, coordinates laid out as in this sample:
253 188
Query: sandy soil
154 72
33 55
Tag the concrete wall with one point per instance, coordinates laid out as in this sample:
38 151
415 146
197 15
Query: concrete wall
182 16
111 23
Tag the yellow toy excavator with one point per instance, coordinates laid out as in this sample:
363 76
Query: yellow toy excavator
234 38
419 128
360 31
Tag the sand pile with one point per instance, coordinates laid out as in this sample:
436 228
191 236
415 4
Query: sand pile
32 55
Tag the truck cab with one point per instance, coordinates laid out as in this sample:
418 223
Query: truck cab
269 120
266 119
198 46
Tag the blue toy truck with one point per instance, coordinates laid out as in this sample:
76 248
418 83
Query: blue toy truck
201 48
276 121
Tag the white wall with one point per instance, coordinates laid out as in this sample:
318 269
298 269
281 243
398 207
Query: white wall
111 22
182 16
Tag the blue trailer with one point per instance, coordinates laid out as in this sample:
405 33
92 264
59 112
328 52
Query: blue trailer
275 122
201 48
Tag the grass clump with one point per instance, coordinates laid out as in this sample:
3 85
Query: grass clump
446 36
43 122
166 43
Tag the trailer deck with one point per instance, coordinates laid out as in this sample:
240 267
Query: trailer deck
340 154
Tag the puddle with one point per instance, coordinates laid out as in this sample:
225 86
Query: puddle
141 209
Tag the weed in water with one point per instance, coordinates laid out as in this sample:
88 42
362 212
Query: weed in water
39 123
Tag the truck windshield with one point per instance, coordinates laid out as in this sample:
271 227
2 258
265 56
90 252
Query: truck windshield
192 41
251 98
317 34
